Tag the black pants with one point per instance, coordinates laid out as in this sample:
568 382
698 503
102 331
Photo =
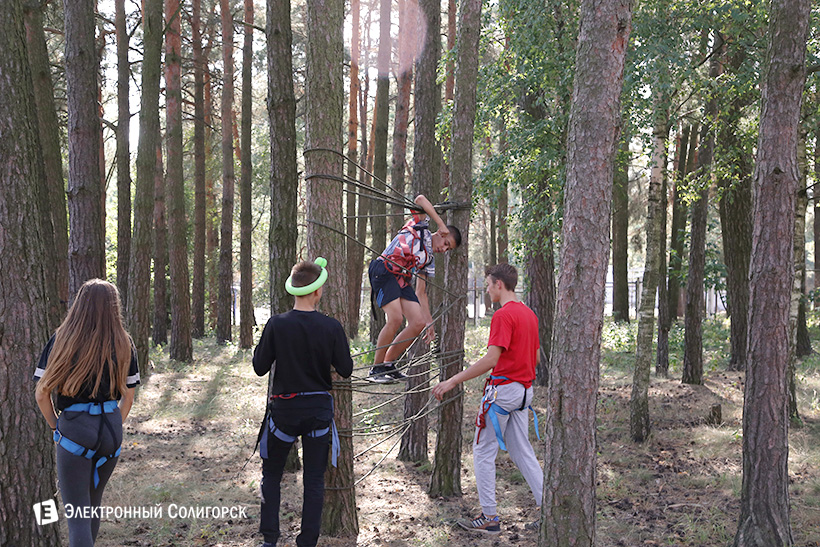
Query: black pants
314 459
75 473
297 417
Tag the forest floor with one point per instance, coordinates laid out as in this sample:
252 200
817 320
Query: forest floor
193 427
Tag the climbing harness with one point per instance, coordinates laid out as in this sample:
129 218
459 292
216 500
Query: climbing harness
490 408
268 427
93 409
401 260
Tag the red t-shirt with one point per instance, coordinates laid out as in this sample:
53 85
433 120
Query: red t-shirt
514 328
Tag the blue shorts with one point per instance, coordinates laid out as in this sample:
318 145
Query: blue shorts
385 285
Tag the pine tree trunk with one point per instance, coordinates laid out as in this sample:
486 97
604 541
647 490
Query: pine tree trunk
159 330
354 285
139 271
426 176
449 86
540 267
86 253
816 224
639 403
211 211
324 93
49 129
404 77
284 179
446 479
693 330
620 235
381 116
246 318
123 152
568 510
224 312
802 342
198 281
180 347
736 227
678 224
502 237
29 303
764 503
664 315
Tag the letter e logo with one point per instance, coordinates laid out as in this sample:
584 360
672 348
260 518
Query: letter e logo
46 512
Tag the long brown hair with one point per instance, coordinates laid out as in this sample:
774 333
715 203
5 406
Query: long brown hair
90 338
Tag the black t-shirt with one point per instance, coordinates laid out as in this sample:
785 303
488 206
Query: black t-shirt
84 396
304 346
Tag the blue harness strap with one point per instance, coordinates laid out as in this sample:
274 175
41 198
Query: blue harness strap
494 410
94 409
316 433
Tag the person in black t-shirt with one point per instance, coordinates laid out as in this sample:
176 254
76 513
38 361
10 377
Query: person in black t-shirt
90 367
299 348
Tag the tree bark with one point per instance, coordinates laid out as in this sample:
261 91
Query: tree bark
354 285
284 179
123 152
198 281
86 253
324 93
180 347
799 281
764 502
446 479
802 342
426 177
139 277
159 330
29 303
246 318
693 330
404 77
736 224
211 211
568 508
540 267
620 235
639 403
678 224
224 313
449 87
816 224
49 128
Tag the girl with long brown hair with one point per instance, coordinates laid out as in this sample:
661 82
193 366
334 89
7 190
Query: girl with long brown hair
88 374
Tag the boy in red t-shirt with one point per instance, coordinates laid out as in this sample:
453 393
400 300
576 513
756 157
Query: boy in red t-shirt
503 420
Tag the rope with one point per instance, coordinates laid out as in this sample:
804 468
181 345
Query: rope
361 168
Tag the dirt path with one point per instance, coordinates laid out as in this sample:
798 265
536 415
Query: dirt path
194 427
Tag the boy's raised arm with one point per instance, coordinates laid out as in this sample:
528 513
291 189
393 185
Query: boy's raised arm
428 208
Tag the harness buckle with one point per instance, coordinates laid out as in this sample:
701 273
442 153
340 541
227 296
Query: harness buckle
57 436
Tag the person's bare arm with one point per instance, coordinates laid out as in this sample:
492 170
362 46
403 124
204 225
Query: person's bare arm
46 407
485 364
428 208
126 402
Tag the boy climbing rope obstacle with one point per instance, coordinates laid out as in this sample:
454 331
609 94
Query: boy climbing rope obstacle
391 273
503 419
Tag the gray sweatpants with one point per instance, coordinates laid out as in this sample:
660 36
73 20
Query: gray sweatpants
514 428
75 472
